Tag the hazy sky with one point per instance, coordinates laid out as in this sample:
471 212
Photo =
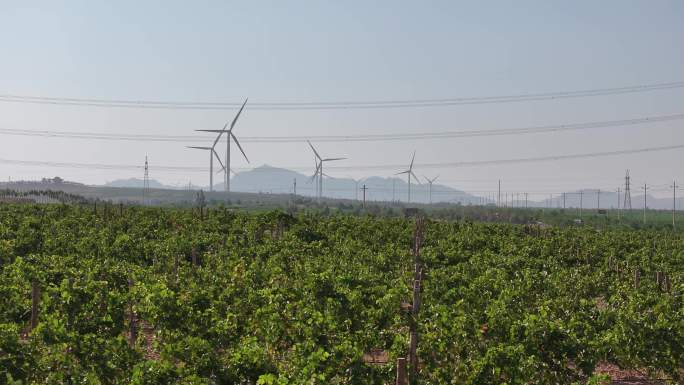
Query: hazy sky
331 51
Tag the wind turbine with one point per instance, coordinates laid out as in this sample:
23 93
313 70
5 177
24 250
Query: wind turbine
430 182
409 172
229 135
319 169
212 154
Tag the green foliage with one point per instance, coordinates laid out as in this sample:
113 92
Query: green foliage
274 299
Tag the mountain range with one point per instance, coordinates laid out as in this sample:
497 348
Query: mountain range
273 180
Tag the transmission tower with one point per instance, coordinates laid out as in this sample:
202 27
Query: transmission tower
628 197
146 182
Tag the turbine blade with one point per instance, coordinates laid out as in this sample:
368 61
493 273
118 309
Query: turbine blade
403 172
314 150
331 159
199 147
427 179
417 179
240 147
237 116
412 158
219 159
214 131
217 139
318 167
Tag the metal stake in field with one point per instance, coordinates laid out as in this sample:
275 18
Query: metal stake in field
409 172
229 136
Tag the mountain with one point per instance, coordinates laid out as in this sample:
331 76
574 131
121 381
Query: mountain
138 183
594 198
267 179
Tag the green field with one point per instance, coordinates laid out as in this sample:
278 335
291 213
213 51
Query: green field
162 296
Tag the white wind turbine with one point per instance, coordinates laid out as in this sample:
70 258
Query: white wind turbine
229 135
430 182
319 169
409 172
212 154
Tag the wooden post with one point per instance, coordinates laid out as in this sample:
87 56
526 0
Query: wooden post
417 281
35 303
637 278
401 371
194 256
659 278
121 209
666 283
132 320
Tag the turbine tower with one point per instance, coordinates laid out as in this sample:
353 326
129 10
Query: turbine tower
212 154
430 182
409 172
229 135
319 169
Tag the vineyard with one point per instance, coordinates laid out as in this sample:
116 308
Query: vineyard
118 295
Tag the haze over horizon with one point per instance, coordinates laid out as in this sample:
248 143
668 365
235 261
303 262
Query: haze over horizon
332 52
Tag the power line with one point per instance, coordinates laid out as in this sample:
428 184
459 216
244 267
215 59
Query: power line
351 138
368 104
475 163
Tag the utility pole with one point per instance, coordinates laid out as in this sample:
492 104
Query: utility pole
416 304
525 200
499 198
598 199
364 188
146 181
645 188
563 201
581 203
394 184
294 186
618 203
674 202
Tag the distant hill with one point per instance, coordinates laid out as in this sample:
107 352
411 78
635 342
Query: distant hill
138 183
267 179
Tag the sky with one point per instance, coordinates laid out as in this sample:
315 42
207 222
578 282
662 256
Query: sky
328 51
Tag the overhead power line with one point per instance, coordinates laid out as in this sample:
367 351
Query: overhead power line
333 105
349 138
475 163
